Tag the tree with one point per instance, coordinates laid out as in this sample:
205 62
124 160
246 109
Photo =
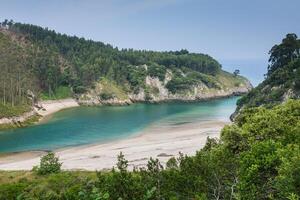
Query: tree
282 54
49 164
236 72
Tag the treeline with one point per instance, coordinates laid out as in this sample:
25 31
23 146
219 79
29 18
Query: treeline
86 61
16 76
283 77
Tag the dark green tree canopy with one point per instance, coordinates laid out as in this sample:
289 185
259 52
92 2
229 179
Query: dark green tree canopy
282 54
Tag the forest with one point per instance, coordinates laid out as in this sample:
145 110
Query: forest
283 77
256 157
39 61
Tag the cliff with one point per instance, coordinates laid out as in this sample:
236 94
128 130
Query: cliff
155 91
38 64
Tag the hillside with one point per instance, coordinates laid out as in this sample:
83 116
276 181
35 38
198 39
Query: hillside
256 157
50 65
282 80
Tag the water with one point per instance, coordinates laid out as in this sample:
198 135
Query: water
87 125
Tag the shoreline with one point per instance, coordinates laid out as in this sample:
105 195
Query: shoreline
50 107
43 111
154 141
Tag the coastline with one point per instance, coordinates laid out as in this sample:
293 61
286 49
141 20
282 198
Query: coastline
157 142
50 107
41 112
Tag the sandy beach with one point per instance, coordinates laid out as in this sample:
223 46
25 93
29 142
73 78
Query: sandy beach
52 106
44 109
155 141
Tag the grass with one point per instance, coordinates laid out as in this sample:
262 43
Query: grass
61 92
28 122
111 88
11 111
15 176
228 80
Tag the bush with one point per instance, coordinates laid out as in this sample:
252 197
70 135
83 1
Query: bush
49 164
157 71
179 84
106 96
62 92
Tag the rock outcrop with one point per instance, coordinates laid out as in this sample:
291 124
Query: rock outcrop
156 91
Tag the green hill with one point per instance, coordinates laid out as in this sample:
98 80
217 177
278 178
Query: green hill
43 64
282 79
256 157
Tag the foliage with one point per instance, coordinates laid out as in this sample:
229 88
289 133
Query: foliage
257 157
282 54
61 60
236 72
49 164
62 92
10 111
155 70
282 79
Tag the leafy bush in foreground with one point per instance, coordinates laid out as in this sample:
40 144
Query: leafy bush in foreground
49 164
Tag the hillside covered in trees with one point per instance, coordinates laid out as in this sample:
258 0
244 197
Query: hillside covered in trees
256 157
282 79
37 63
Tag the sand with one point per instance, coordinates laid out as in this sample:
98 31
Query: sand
156 141
52 106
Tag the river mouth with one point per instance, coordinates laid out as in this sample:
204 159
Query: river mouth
91 125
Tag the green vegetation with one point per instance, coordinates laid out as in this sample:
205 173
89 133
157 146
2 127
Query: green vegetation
110 90
256 158
283 77
62 92
37 63
10 111
159 71
49 164
60 60
30 121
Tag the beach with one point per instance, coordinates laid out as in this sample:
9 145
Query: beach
155 141
44 109
52 106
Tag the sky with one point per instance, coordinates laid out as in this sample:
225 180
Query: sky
238 33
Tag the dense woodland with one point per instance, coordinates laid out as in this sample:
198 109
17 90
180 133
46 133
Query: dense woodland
283 77
48 63
257 157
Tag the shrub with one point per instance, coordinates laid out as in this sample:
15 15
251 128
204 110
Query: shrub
49 164
106 96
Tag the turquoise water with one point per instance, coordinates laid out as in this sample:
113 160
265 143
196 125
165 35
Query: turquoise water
87 125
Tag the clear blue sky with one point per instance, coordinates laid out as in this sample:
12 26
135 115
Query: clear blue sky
229 30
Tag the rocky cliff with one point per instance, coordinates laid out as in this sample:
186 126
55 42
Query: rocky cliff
155 90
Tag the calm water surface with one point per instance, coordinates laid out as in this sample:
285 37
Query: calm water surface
87 125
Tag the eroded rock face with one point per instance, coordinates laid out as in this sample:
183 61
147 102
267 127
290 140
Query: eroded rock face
157 92
18 119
